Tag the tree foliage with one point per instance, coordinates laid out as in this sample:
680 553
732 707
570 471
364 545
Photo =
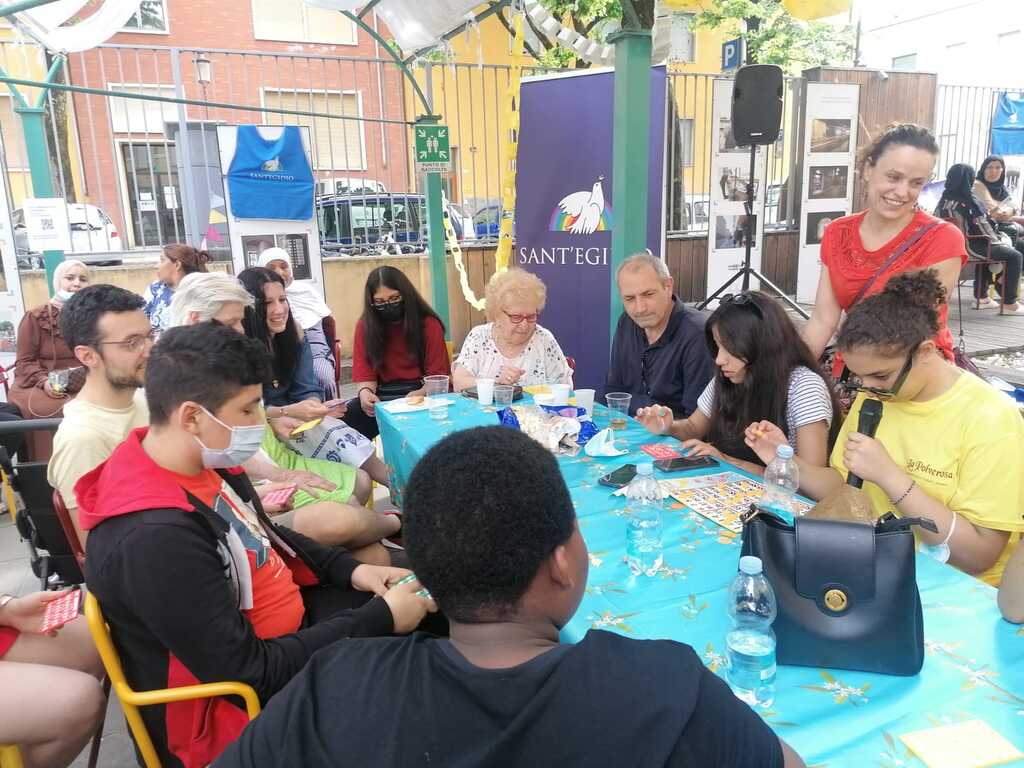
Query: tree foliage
779 38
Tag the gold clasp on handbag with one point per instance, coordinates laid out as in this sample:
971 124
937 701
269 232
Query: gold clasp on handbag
750 514
836 600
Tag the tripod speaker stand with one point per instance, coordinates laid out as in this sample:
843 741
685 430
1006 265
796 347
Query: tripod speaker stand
756 119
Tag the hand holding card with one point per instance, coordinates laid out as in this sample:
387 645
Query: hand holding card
60 611
279 497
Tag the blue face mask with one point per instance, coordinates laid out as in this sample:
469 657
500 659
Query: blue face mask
243 445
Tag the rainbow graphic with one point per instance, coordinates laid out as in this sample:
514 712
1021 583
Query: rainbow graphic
562 222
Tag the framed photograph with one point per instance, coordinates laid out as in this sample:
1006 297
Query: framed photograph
730 231
726 140
828 181
816 223
733 183
828 135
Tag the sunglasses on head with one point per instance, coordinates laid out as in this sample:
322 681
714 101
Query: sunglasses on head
740 300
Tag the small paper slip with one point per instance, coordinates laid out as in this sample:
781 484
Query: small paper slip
970 744
537 389
404 406
660 451
61 611
280 495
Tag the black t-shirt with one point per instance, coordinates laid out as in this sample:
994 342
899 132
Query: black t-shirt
416 701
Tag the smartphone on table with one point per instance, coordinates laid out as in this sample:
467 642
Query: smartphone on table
619 477
684 463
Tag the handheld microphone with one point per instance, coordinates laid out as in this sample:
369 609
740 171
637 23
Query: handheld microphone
867 424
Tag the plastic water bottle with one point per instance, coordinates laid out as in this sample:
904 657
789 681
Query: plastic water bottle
643 527
750 644
781 481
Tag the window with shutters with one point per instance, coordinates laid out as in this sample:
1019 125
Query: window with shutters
138 115
338 143
295 21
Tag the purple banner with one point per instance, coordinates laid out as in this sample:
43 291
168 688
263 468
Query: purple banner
564 212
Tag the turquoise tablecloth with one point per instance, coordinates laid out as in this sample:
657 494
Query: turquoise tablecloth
974 666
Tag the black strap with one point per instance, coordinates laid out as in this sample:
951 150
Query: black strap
903 247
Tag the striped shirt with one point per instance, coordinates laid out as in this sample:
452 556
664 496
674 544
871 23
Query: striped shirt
808 401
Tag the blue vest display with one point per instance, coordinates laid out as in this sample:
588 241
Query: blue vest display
270 178
1008 125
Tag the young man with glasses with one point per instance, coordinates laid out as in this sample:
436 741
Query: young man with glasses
111 336
659 354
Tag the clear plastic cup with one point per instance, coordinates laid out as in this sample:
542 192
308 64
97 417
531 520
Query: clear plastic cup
435 385
503 395
618 404
485 391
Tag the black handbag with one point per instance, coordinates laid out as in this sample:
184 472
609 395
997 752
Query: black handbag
847 592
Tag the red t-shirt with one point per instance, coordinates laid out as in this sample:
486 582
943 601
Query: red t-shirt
398 364
277 607
850 264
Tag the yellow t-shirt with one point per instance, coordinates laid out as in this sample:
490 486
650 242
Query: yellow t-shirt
87 436
965 448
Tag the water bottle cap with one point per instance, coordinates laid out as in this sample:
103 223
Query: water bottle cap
750 565
647 468
784 451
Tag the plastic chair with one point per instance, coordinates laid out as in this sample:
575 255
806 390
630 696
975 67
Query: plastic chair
331 334
131 700
979 258
10 757
70 532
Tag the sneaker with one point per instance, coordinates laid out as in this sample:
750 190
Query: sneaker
987 303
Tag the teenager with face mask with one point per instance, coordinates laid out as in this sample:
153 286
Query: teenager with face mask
196 583
860 253
398 340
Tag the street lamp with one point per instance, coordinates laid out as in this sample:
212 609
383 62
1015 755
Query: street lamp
204 69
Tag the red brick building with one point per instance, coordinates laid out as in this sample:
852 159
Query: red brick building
279 54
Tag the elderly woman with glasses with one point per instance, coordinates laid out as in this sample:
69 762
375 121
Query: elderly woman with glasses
512 348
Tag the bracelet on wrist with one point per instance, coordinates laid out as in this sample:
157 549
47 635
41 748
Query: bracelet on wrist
360 392
905 493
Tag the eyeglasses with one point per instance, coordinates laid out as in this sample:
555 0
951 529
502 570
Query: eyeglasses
135 343
393 301
517 319
888 393
741 300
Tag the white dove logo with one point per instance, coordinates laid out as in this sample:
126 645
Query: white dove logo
273 165
585 208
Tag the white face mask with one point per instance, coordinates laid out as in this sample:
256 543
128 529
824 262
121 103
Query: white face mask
243 445
64 295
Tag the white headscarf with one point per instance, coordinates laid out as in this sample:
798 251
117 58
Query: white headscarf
307 305
58 273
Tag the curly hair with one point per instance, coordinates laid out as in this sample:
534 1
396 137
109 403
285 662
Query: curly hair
476 532
80 318
898 319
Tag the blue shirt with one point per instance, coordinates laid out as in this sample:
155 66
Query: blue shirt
672 371
158 297
302 386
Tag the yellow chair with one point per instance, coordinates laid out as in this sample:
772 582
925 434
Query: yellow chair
10 757
132 700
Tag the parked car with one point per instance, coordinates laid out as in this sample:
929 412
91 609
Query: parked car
348 185
350 223
487 221
93 237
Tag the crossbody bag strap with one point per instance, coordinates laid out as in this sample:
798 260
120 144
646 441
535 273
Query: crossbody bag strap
903 247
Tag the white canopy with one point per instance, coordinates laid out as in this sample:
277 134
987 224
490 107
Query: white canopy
414 23
43 23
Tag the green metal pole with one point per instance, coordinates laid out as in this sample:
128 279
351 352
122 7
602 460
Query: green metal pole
435 240
630 153
25 5
33 124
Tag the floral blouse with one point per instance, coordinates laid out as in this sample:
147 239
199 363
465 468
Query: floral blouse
542 359
158 297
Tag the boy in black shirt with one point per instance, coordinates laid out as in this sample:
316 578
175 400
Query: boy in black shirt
491 532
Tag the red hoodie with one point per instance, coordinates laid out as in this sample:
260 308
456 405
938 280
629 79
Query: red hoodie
171 576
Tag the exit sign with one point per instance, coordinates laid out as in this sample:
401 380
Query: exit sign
433 152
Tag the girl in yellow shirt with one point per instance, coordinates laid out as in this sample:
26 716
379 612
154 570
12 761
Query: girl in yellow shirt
949 446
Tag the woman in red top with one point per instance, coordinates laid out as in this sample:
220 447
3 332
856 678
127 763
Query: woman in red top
398 340
856 250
